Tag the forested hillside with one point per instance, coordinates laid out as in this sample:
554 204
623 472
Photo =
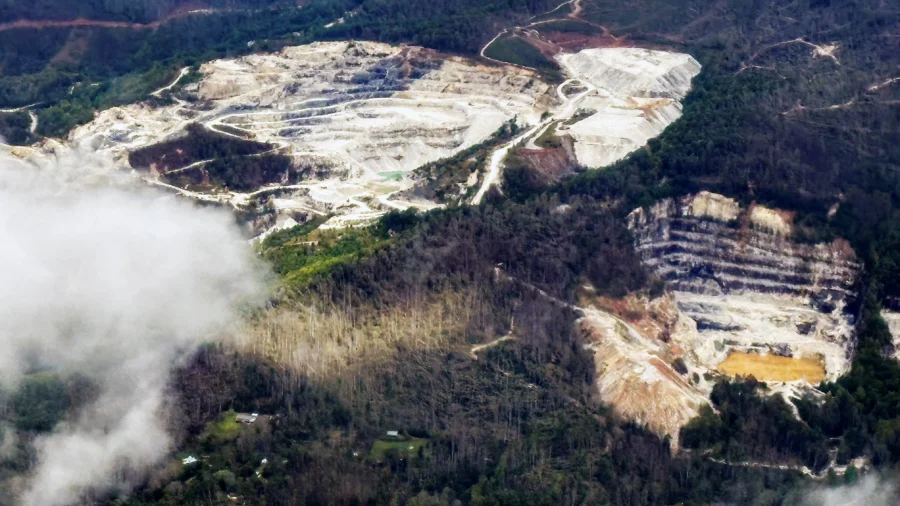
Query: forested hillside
513 423
796 107
455 328
69 72
132 11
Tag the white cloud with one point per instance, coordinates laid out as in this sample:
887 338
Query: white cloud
117 284
870 490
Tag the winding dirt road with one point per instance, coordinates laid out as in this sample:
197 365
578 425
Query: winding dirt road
37 24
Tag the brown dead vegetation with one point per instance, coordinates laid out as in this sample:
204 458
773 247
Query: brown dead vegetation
553 163
323 342
654 319
75 46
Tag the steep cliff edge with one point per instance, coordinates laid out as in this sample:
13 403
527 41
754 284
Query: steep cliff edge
752 290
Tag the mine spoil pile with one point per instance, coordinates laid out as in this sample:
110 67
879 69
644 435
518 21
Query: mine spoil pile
638 94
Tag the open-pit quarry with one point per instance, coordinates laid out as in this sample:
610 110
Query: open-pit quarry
357 119
744 299
354 120
750 288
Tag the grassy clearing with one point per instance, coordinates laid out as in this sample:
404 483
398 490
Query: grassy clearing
292 235
407 448
308 256
515 50
304 253
223 429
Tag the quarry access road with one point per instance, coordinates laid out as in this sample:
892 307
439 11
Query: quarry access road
577 6
19 109
566 111
496 342
497 159
164 89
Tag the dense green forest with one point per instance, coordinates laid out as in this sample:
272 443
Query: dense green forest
69 72
132 11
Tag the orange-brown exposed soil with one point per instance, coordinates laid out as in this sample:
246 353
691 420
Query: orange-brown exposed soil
773 367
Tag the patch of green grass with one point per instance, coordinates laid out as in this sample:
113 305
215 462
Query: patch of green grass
515 50
303 254
301 258
223 429
284 237
405 447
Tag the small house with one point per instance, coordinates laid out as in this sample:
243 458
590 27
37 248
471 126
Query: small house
393 433
246 418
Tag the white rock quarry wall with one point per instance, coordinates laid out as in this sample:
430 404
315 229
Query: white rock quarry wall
634 72
746 284
892 318
359 114
737 283
371 106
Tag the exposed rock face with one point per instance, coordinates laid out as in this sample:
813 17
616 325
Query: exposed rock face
635 343
638 94
747 285
368 106
635 72
374 107
745 299
892 317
